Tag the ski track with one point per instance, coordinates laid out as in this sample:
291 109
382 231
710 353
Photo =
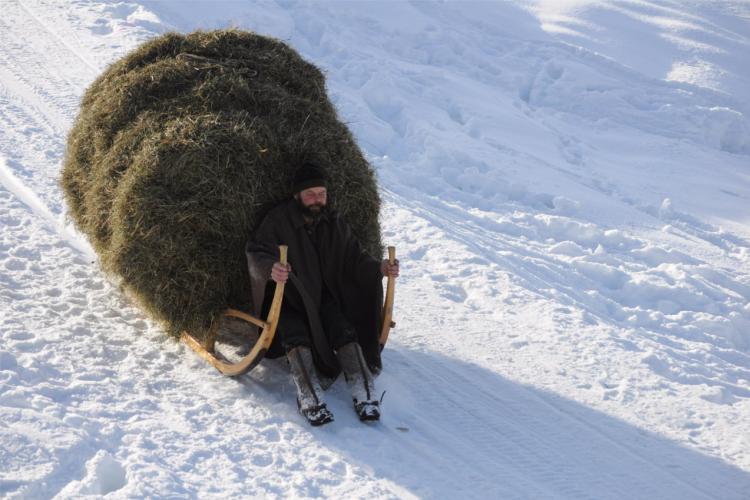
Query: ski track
95 400
535 268
40 95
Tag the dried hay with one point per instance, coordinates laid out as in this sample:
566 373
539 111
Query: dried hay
179 150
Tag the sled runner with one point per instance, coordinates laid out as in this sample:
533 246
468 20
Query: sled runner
207 350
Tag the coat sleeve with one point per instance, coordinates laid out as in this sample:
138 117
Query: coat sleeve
357 262
261 251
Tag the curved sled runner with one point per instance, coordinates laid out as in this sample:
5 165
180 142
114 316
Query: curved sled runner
268 328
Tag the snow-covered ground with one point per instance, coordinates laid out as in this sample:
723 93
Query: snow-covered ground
567 184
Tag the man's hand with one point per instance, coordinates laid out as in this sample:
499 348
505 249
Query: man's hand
388 269
280 272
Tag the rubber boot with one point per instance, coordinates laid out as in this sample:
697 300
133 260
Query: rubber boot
309 393
360 381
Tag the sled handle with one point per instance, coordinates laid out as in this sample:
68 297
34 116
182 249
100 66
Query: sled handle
388 303
261 346
275 311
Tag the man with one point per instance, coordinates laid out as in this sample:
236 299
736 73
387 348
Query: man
330 316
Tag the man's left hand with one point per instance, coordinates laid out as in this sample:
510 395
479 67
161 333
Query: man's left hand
388 269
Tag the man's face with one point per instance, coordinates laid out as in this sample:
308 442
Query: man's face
313 199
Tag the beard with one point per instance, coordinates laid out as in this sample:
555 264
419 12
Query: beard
312 211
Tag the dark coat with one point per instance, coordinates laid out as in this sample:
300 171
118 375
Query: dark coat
335 260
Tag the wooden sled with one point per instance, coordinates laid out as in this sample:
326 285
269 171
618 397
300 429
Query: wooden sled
207 349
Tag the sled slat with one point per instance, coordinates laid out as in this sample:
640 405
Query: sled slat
250 319
260 348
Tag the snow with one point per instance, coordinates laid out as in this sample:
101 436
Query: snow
567 186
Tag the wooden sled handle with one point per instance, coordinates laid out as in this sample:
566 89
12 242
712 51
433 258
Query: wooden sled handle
388 303
261 346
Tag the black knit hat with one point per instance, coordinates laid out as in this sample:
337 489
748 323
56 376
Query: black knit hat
309 175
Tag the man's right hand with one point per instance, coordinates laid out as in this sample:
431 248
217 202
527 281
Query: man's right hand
280 272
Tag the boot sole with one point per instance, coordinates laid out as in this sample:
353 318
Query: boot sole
318 423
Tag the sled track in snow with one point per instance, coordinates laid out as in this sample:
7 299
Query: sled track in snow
515 439
40 85
57 37
535 269
46 68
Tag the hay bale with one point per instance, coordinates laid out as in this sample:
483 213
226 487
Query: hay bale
179 150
